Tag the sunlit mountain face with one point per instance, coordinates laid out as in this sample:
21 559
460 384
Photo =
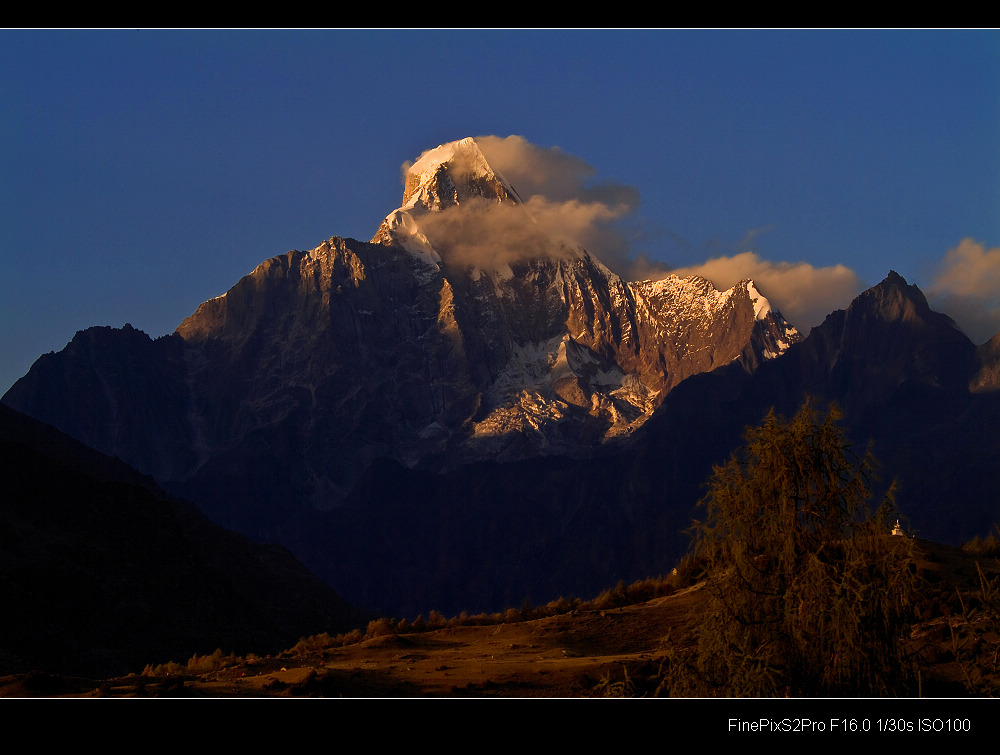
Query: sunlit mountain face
471 409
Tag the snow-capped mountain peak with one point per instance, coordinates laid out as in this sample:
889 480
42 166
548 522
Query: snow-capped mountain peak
451 175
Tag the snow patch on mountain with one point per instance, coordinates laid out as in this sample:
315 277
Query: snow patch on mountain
405 229
551 381
761 306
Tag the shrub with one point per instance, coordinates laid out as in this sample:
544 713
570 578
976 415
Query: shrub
203 664
988 546
380 627
352 637
311 644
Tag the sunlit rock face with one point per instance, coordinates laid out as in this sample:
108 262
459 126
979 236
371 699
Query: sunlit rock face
460 333
407 347
562 352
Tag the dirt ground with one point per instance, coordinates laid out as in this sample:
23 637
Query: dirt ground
562 656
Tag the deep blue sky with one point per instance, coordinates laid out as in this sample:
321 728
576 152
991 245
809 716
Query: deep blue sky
143 172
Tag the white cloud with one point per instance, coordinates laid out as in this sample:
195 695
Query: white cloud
804 294
567 208
562 198
966 286
563 209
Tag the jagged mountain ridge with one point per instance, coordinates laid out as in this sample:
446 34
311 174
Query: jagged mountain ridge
352 351
361 393
906 379
574 340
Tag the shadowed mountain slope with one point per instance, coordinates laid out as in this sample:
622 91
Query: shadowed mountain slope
101 572
908 381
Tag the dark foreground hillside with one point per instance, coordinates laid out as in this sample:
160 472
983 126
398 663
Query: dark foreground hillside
607 647
101 572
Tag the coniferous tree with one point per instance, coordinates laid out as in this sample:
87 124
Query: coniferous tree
810 593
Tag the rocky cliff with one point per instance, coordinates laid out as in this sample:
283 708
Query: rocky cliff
425 349
318 362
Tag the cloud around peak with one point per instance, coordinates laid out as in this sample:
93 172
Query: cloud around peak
804 294
562 197
568 207
966 286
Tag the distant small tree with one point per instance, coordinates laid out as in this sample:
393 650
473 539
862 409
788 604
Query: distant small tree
810 594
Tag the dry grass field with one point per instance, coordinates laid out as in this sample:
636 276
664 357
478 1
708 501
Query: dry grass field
586 652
